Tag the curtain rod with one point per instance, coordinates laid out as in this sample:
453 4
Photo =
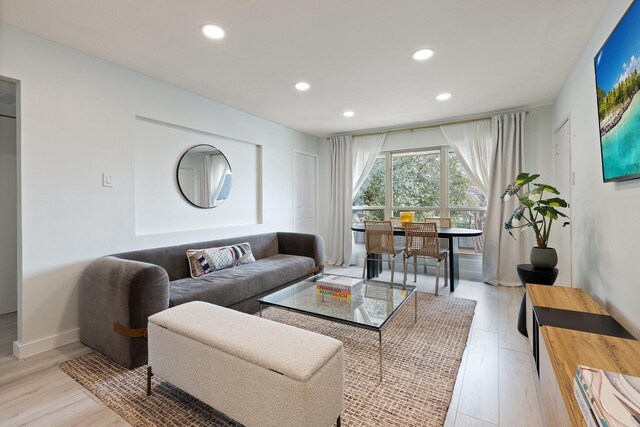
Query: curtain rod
411 129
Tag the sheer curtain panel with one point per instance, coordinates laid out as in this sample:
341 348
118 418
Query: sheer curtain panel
365 149
501 252
339 242
474 145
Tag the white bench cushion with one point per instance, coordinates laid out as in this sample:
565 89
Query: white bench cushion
290 351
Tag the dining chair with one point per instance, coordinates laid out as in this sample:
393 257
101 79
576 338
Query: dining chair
440 222
399 240
421 240
395 221
379 240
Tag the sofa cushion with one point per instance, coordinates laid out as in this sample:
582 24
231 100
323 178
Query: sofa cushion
232 285
205 261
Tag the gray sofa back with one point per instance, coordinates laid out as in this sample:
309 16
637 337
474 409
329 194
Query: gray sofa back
174 258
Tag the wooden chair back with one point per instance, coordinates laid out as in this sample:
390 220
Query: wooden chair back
440 221
378 237
422 239
395 222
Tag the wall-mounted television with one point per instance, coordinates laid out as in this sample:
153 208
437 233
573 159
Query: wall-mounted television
617 66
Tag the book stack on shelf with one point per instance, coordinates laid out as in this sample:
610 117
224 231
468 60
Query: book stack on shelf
607 399
340 288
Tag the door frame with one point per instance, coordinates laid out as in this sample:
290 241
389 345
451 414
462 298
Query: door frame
19 278
315 202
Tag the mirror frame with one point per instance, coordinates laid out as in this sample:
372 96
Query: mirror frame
178 174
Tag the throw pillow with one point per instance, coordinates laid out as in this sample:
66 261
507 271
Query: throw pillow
205 261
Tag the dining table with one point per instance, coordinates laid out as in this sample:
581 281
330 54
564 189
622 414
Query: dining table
374 266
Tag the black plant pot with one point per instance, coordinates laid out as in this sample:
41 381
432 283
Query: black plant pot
544 258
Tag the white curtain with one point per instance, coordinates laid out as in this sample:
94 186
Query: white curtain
339 240
365 149
203 183
474 145
501 252
218 166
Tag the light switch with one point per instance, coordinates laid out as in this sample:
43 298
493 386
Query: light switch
107 180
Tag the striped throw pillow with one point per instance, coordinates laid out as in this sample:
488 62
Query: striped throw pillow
205 261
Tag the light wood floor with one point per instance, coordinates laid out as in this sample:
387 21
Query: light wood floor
495 384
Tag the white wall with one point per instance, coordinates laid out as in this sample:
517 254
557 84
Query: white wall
538 141
161 208
605 224
78 121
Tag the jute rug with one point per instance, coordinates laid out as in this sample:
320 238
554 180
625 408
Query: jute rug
421 363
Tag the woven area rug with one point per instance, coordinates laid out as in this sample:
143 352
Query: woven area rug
421 363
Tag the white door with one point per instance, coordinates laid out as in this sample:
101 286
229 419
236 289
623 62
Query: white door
8 216
563 174
304 193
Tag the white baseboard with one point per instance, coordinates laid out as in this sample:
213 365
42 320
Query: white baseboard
22 350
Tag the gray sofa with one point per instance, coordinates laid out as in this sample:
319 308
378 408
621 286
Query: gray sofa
119 292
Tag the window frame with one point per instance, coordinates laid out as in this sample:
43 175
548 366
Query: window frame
445 209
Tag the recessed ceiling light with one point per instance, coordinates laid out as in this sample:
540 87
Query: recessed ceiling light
302 86
422 54
213 31
443 96
349 113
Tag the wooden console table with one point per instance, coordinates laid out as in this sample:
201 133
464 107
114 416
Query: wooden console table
559 349
529 274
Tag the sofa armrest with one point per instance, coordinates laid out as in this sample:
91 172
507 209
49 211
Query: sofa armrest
309 245
124 292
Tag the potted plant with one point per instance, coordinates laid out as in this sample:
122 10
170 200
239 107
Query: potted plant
537 212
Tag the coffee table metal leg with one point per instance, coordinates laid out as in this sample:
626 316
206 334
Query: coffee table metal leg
380 352
415 297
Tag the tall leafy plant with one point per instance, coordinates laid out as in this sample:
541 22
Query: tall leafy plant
534 211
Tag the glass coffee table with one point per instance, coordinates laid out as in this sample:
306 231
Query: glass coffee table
370 305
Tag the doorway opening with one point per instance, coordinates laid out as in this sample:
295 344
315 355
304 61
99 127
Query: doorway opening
8 216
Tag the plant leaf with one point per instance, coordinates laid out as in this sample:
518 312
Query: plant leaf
525 178
555 202
526 201
547 188
547 211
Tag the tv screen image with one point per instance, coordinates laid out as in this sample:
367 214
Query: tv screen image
617 70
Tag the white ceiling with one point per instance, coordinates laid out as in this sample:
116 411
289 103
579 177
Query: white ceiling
491 55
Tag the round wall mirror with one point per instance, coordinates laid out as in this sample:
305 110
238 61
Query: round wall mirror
204 176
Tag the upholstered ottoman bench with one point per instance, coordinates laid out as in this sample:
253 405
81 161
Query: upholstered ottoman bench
256 371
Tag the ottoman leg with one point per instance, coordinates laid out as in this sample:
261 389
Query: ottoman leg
149 375
338 422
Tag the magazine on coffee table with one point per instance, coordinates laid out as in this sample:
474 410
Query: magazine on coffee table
607 399
346 288
339 281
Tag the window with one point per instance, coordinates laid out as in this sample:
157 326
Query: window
431 183
416 183
369 202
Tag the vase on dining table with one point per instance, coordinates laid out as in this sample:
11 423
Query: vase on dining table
406 217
